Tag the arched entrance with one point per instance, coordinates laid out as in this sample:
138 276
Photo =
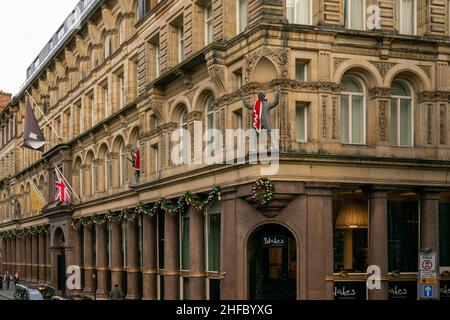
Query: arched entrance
272 253
60 255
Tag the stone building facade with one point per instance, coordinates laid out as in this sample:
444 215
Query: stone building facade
364 120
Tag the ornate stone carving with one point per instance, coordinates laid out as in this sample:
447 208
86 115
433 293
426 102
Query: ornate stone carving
337 62
429 124
433 96
217 74
278 55
378 92
383 67
324 116
334 117
426 69
382 120
191 94
443 124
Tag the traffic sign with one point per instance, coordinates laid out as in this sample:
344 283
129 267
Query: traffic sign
428 291
428 274
428 281
427 261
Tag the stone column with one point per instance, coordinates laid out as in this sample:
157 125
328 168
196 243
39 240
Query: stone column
42 254
378 240
13 265
171 258
29 259
116 255
319 243
35 258
133 261
197 260
149 252
102 262
7 255
3 250
228 248
48 263
78 258
23 257
429 220
89 259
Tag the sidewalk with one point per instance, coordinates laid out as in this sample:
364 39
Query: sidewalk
8 294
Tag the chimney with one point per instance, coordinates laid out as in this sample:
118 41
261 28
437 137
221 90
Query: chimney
5 98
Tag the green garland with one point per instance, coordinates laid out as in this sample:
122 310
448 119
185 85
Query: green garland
28 231
263 191
163 205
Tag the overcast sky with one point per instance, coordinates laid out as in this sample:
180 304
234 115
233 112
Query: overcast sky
25 27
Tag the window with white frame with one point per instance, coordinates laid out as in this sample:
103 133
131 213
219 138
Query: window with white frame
406 16
299 11
123 161
106 105
183 126
355 14
122 91
301 121
106 163
353 111
209 26
241 15
180 32
213 240
402 114
157 60
301 70
122 31
93 178
91 107
209 113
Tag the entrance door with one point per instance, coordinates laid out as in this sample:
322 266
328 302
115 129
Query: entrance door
273 264
61 272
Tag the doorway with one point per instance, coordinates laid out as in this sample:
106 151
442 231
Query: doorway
272 253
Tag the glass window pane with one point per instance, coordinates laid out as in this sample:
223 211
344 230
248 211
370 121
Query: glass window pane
357 119
300 70
302 10
405 122
394 122
403 236
301 121
345 118
356 14
407 20
444 234
214 289
350 84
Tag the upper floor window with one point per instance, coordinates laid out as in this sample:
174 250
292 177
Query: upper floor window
299 11
406 16
209 27
402 114
209 112
122 96
353 111
180 43
241 15
301 121
354 14
301 70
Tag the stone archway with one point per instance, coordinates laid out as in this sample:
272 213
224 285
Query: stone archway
272 254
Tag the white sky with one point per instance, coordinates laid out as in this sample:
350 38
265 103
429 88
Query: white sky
25 28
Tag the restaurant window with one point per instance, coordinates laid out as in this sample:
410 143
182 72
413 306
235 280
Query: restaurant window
299 11
350 235
403 232
213 240
444 234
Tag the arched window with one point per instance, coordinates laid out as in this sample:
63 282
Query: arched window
353 111
122 165
402 114
209 113
122 31
183 135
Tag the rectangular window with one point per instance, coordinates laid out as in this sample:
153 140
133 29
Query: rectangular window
156 159
406 16
355 14
401 122
91 108
299 11
209 24
106 106
180 44
241 15
157 60
301 70
352 119
122 91
444 234
238 119
301 121
213 223
403 236
238 80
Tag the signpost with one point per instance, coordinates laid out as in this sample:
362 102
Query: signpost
428 286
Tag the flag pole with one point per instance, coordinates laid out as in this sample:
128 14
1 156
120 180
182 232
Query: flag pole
67 182
38 191
45 117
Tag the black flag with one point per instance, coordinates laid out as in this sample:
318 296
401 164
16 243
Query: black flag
33 138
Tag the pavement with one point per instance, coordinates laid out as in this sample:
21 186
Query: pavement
7 294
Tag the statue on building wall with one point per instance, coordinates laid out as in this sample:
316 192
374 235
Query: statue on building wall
261 110
15 208
136 162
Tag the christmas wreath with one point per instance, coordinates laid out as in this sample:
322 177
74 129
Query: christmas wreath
263 191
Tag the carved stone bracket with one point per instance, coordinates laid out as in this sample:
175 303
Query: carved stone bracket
383 66
378 92
217 74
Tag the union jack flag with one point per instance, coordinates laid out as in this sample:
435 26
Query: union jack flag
62 191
